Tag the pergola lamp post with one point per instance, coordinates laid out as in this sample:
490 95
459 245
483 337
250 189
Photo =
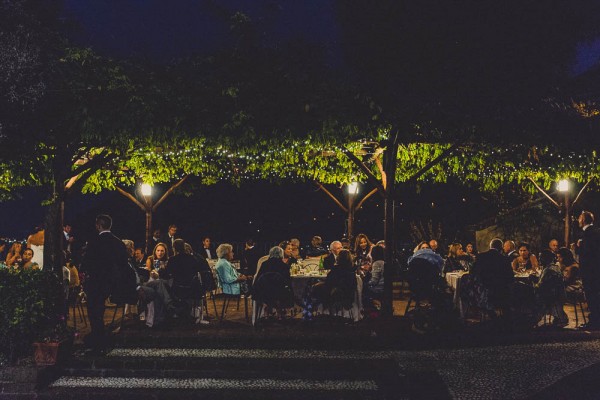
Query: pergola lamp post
146 191
352 192
563 186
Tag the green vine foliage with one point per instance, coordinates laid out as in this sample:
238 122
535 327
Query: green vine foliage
29 301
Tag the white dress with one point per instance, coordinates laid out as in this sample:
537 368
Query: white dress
38 255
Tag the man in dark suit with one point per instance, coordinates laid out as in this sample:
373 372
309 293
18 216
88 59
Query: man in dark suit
170 238
589 266
250 258
494 272
105 263
207 250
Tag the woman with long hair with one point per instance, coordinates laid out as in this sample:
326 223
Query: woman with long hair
14 255
526 261
362 252
158 260
457 259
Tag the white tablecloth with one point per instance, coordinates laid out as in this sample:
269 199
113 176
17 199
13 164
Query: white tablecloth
454 280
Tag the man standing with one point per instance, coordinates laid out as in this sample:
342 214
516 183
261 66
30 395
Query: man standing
169 239
334 249
207 250
104 261
250 258
69 239
589 266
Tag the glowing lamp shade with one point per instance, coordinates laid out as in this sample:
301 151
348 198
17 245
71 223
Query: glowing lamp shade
563 185
146 189
353 188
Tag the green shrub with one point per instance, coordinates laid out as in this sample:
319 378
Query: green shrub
31 309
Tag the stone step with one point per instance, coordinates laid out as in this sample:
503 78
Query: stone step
157 373
238 363
212 388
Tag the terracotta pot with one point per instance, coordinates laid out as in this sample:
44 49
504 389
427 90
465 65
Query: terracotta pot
46 353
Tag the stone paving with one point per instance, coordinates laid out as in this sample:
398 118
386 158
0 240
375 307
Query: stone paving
514 371
246 384
503 372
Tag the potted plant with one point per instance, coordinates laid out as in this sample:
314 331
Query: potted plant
31 304
52 341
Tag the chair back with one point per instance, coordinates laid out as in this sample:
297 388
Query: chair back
423 277
270 288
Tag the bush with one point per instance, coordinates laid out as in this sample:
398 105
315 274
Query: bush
31 308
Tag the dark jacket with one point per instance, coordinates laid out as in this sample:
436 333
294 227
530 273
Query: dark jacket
329 261
183 268
493 270
107 268
589 258
249 260
278 266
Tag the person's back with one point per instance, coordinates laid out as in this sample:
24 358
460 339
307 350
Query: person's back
275 265
183 268
493 271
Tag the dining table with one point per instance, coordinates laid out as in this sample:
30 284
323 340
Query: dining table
454 280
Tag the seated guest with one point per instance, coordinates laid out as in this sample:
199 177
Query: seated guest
340 284
421 245
426 253
510 250
272 284
570 270
288 257
158 260
296 249
457 259
549 291
374 278
14 258
433 245
154 296
183 268
184 271
334 250
553 246
316 248
206 274
275 264
139 258
470 251
525 261
231 281
493 272
28 262
362 252
345 243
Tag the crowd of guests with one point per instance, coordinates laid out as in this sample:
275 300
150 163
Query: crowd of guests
509 278
174 276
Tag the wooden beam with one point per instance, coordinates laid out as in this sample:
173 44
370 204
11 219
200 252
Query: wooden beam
328 193
360 203
132 198
544 193
168 192
365 170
